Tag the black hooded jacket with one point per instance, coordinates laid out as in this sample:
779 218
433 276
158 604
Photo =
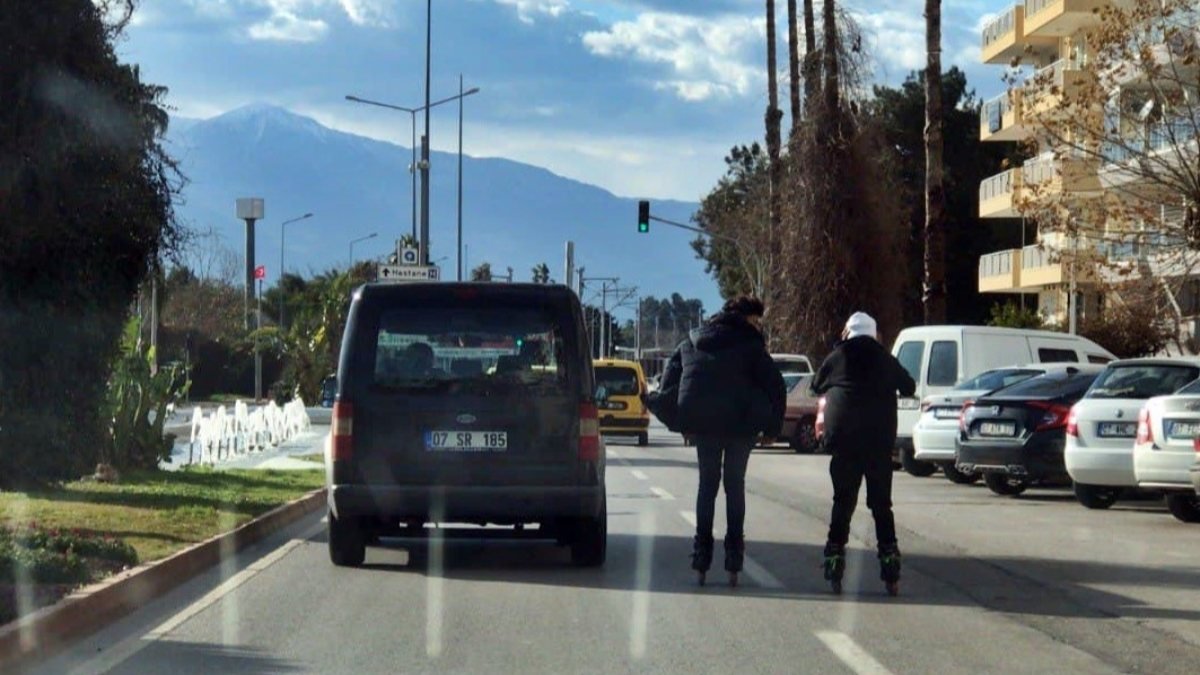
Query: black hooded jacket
860 380
723 382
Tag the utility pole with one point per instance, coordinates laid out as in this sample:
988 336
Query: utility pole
569 265
257 353
637 340
425 137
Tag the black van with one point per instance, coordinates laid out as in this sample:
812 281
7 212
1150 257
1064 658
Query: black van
465 403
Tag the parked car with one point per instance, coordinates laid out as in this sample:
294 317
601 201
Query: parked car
936 433
620 385
800 418
465 403
1168 439
793 363
939 357
1015 436
328 391
1104 425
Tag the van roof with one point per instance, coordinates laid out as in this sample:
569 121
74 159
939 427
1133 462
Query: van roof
373 290
993 330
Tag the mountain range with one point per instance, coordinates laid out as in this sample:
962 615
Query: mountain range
514 214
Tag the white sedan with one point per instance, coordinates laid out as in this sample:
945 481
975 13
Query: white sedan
1168 438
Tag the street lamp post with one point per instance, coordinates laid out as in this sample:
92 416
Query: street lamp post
282 236
425 139
355 241
423 165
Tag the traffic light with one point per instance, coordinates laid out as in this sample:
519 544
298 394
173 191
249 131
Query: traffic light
644 217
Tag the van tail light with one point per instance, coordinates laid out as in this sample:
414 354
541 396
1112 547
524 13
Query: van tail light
962 415
342 428
1073 422
1054 415
1196 444
1144 434
589 433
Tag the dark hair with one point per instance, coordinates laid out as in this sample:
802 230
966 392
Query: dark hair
744 305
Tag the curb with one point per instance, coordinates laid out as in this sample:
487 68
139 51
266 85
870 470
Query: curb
49 630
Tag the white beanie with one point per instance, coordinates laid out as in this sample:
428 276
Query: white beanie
860 324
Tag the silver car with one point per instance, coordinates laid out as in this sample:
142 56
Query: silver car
937 428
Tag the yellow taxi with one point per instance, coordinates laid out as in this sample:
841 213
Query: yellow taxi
619 388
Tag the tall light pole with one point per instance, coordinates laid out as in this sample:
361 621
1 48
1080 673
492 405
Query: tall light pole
282 236
423 165
460 167
425 138
355 241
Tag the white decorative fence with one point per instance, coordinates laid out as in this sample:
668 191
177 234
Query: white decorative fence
225 434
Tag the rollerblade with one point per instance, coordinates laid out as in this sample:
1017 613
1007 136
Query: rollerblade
735 555
702 553
835 565
889 568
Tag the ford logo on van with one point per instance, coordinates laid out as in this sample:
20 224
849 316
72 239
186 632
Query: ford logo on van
466 419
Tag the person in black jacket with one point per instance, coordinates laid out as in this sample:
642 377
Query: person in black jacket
722 387
860 380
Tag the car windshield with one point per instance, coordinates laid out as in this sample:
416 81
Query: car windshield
1064 383
1191 389
1142 381
997 379
789 365
438 349
792 380
617 381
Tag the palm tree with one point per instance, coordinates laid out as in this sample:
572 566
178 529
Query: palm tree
794 61
482 273
935 196
541 273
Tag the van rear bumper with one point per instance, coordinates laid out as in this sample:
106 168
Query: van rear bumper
466 503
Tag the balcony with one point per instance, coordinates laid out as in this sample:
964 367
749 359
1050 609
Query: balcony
1155 150
1004 38
1040 178
1049 88
1060 18
1000 272
1000 119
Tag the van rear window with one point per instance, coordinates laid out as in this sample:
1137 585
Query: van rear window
618 381
464 349
1142 381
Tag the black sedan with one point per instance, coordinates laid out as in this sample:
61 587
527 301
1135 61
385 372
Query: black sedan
1015 436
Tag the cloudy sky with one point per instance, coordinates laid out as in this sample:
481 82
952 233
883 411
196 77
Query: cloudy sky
642 97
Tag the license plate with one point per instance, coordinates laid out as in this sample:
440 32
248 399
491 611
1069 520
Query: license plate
946 413
1183 429
1116 430
466 441
909 404
998 429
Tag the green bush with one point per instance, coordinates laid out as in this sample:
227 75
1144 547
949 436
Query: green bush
55 557
1012 315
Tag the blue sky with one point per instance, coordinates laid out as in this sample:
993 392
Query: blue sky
642 97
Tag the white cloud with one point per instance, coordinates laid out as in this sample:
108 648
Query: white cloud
285 26
709 55
527 10
369 12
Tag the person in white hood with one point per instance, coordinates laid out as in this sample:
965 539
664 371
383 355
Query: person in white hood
860 380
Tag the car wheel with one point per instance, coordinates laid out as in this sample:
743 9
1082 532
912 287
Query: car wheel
347 542
643 439
1095 496
1005 485
590 541
1185 507
915 467
805 439
958 477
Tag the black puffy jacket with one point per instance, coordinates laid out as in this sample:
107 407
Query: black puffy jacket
859 380
723 382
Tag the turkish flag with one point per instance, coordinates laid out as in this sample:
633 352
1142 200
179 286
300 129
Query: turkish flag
260 272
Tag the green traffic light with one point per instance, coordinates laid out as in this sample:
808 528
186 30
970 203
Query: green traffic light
643 227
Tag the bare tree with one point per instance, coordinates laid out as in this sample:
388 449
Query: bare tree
774 119
794 62
934 297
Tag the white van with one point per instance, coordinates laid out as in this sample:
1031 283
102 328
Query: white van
938 357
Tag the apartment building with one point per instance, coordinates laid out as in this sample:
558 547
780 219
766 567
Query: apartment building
1050 39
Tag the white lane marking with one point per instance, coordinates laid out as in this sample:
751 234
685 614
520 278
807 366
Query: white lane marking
639 624
848 651
435 587
759 574
640 475
614 454
689 516
662 494
125 650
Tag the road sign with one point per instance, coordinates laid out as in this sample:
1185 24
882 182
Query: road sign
260 272
402 273
409 256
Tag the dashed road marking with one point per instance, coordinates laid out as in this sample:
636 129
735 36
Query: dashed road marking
847 650
662 494
759 575
640 475
689 516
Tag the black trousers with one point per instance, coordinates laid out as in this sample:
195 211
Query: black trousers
848 468
734 453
